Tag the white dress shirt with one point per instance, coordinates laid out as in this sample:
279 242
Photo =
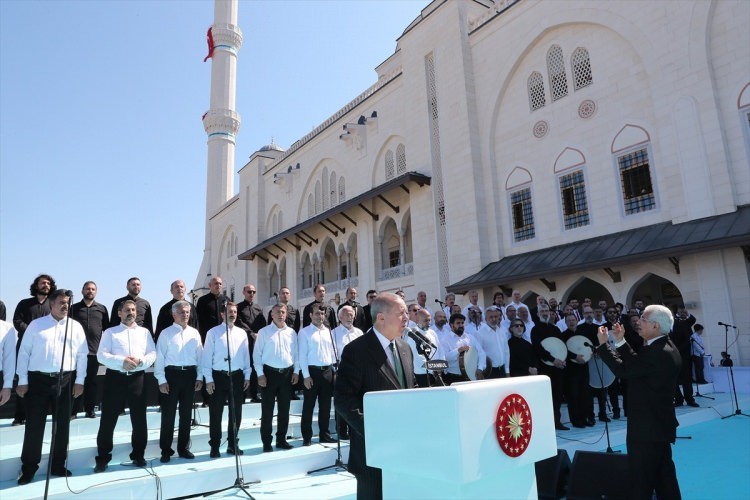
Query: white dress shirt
122 341
495 345
342 336
42 349
472 328
442 332
421 359
450 347
315 348
697 348
215 351
465 310
177 347
8 340
275 347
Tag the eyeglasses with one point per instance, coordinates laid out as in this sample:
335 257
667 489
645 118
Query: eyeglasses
249 291
517 326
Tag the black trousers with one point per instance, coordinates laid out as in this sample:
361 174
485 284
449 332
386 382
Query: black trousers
652 470
181 390
497 372
43 392
322 392
216 406
120 387
370 484
578 394
278 386
698 364
88 401
556 378
612 392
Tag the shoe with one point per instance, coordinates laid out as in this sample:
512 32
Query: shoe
63 472
232 451
25 478
18 421
267 448
579 426
703 382
204 405
344 436
616 414
73 416
91 414
326 438
164 459
295 397
255 400
306 443
590 422
693 404
214 453
139 462
283 445
561 427
603 418
677 405
186 454
100 467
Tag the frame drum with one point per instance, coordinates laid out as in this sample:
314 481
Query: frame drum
599 373
468 362
556 348
576 345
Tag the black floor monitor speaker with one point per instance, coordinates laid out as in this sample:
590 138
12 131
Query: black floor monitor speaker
597 475
552 476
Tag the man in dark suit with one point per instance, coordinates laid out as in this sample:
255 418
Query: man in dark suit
651 374
377 361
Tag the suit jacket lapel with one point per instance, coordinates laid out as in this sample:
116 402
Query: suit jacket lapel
378 354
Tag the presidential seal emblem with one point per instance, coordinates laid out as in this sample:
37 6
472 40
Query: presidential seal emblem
513 425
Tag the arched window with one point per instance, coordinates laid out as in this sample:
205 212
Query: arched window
581 68
522 214
558 81
637 187
390 171
573 198
326 193
275 224
537 99
401 159
332 186
318 204
281 221
342 190
310 206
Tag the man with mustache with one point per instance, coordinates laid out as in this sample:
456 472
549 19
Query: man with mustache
126 350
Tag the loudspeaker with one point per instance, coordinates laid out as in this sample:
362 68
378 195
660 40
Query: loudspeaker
596 475
552 476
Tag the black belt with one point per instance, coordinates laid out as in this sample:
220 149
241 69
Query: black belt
227 372
181 368
50 374
324 368
126 374
278 370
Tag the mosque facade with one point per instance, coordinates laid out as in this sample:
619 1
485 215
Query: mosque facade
564 149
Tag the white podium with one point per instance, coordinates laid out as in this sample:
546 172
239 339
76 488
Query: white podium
443 442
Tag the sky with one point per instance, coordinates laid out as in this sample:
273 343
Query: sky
102 149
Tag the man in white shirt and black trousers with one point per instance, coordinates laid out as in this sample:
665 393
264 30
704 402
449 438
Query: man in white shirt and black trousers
38 369
316 358
275 360
126 350
216 371
177 370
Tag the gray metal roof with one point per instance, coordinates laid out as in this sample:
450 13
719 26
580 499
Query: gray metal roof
616 249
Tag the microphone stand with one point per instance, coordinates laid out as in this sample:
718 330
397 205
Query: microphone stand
603 392
239 481
697 386
738 411
339 464
56 413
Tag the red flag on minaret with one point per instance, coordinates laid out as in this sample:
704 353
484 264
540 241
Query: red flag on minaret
210 40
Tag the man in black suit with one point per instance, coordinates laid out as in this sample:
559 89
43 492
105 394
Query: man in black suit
651 374
377 361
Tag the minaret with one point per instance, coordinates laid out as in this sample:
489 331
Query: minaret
221 122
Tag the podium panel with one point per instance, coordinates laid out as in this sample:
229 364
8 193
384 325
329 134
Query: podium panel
445 442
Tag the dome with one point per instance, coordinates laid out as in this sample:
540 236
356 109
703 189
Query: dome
272 147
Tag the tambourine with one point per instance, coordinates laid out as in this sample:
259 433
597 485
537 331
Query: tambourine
556 348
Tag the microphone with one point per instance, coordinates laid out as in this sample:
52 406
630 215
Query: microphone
438 301
589 345
420 338
724 324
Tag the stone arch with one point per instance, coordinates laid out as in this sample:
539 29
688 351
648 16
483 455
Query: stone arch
378 168
586 287
629 135
329 261
569 158
518 177
655 289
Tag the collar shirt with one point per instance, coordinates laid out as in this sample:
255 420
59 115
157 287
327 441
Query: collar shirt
561 325
600 322
495 345
215 351
450 348
94 319
472 328
342 336
177 347
41 349
27 311
165 319
385 344
8 339
315 348
419 357
121 341
696 345
275 347
442 332
142 312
